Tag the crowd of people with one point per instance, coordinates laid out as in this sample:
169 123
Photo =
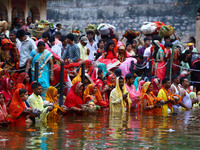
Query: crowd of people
117 75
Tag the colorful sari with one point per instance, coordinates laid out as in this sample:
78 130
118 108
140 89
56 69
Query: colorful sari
133 95
136 82
160 69
3 111
20 81
50 96
98 100
125 66
72 99
12 59
44 74
103 67
5 89
122 56
155 86
16 105
89 69
117 104
150 101
94 77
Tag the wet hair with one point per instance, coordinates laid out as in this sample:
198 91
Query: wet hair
156 50
63 38
146 39
182 79
129 76
168 44
20 33
121 78
45 35
70 36
57 25
156 37
35 85
110 42
101 40
90 32
22 91
57 34
52 38
40 43
165 80
118 72
175 76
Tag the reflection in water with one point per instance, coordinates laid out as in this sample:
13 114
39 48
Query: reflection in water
102 131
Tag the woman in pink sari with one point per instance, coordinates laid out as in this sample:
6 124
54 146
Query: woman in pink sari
3 109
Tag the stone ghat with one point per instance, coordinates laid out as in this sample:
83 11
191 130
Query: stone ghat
124 15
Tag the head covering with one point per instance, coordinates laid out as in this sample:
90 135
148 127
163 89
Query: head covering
5 89
94 76
190 44
155 87
84 39
103 67
157 43
22 77
145 88
109 79
136 82
78 77
30 91
16 106
88 92
140 85
87 63
6 41
72 99
50 95
122 57
89 78
117 94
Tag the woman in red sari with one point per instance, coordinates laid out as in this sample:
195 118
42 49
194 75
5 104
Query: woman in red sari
23 81
73 100
6 89
17 109
156 86
88 66
109 56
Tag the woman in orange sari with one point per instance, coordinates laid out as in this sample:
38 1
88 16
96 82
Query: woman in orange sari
51 97
148 99
4 70
23 81
92 93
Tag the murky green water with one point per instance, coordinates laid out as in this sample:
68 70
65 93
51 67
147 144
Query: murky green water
101 131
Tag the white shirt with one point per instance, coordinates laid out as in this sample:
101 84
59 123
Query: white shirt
147 53
56 49
25 49
93 49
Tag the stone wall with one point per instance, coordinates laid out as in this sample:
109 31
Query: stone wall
127 14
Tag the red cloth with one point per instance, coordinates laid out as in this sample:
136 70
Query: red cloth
20 81
88 66
72 99
30 91
5 89
55 56
57 72
155 87
110 55
109 80
16 106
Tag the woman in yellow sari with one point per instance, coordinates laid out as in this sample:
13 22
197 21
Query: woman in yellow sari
148 100
51 97
119 98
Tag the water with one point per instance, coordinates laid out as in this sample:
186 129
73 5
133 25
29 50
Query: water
101 131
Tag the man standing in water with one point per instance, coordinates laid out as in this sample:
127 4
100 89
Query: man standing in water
119 98
185 95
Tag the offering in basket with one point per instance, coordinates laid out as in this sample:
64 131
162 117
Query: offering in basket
90 107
